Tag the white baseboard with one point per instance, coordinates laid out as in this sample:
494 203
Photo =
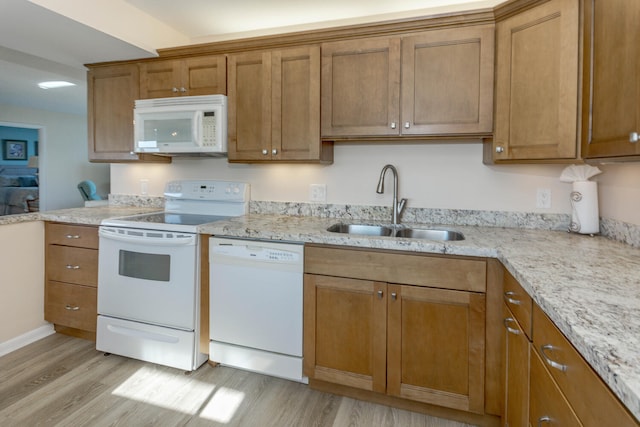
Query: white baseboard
26 339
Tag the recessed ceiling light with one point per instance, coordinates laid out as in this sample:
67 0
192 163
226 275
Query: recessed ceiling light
54 84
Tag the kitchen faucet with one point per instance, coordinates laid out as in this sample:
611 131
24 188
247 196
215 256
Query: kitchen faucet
397 206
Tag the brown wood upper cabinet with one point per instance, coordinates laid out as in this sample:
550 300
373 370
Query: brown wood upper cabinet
274 107
536 100
112 91
437 82
611 110
205 75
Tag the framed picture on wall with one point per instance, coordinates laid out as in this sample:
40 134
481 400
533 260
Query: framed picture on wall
13 149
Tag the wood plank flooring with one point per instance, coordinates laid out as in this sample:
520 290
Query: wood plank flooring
64 381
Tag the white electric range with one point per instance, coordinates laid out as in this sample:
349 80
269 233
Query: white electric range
149 274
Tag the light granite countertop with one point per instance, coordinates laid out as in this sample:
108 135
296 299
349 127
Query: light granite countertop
589 286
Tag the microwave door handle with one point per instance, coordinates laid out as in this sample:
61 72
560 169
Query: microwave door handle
197 128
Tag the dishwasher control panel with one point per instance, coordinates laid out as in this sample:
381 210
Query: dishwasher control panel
258 251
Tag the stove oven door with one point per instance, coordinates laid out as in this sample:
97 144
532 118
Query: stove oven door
148 276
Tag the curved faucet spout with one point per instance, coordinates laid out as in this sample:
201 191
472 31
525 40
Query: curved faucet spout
397 207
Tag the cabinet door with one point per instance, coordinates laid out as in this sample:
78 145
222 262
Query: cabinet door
72 265
160 79
547 404
74 306
613 70
516 370
436 347
112 91
447 82
206 75
249 106
344 331
296 104
591 399
361 87
537 83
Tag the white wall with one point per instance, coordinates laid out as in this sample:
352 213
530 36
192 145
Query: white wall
63 155
432 175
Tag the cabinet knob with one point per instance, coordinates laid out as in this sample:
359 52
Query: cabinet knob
380 294
174 89
508 297
634 137
393 125
274 151
265 152
543 419
550 362
511 330
499 149
394 296
407 125
71 307
183 90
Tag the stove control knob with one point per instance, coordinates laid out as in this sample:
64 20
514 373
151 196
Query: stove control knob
236 190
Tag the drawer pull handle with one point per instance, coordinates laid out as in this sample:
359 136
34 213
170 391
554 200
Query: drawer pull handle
552 363
72 236
511 330
544 419
71 307
72 267
508 298
380 294
394 296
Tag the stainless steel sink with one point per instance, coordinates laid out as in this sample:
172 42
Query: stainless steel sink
411 233
361 229
430 234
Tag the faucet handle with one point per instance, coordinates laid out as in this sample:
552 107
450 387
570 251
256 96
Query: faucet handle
401 204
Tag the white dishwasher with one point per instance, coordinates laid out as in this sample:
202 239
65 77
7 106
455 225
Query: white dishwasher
256 306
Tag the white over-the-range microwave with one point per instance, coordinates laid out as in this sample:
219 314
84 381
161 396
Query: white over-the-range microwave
186 125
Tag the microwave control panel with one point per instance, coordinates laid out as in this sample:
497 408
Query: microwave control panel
209 128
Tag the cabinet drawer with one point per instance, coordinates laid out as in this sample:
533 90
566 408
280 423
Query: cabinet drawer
72 265
74 306
72 235
547 403
576 378
455 273
519 302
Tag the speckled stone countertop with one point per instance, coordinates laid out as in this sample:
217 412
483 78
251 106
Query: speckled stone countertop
589 286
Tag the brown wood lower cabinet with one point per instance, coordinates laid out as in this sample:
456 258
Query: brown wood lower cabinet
546 381
548 406
71 270
70 305
412 342
590 398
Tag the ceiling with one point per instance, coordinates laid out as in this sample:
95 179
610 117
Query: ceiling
52 39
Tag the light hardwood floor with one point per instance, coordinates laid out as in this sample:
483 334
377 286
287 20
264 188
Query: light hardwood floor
64 381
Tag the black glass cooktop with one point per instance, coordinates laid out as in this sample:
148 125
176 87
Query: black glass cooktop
174 218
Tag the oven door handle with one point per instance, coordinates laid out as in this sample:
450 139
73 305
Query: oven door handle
182 240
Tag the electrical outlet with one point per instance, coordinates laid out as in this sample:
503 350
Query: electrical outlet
543 198
318 192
